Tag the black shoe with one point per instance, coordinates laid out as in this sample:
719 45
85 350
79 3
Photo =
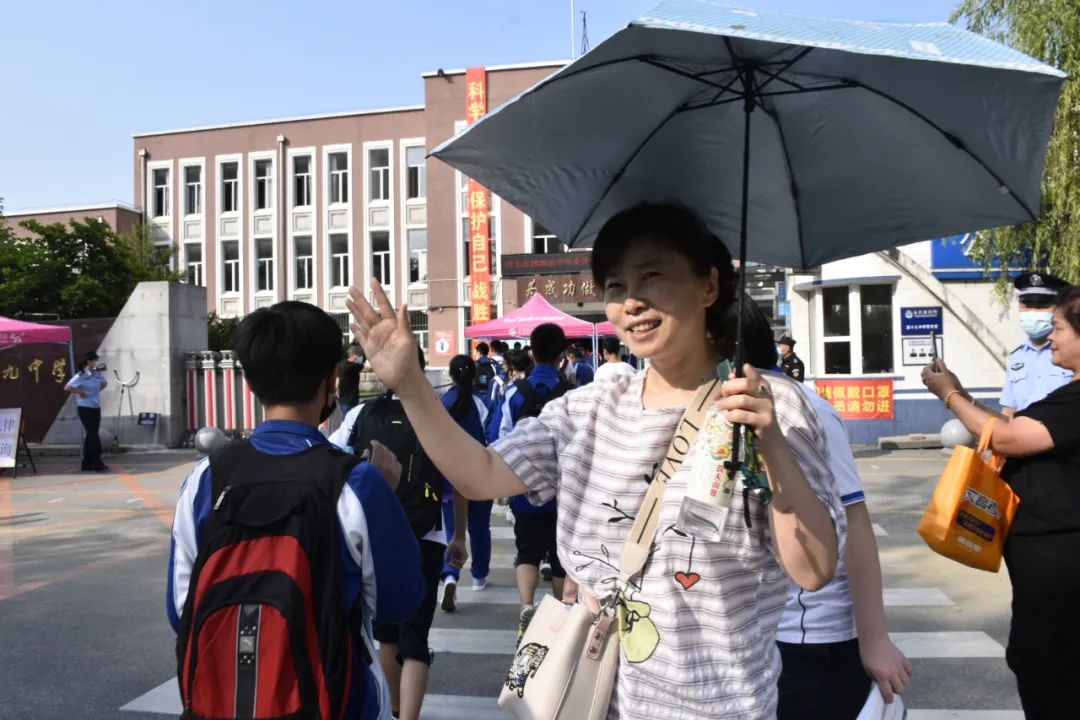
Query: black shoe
101 467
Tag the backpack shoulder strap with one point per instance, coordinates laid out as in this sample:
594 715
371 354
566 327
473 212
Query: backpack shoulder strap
366 410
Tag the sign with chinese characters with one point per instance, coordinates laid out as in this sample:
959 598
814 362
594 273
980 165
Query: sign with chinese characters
10 421
869 399
917 350
479 201
560 289
526 264
444 343
921 320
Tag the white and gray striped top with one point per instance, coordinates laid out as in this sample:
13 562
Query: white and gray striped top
705 613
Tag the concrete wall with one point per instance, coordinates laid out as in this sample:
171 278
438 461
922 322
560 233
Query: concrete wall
159 323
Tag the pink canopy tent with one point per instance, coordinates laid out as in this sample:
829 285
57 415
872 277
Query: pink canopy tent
606 329
521 322
17 332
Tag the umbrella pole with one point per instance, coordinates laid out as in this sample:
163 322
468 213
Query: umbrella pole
735 463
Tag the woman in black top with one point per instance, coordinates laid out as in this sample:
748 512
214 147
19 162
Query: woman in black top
1042 444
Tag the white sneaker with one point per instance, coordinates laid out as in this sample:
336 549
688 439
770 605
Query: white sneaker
480 584
510 515
449 595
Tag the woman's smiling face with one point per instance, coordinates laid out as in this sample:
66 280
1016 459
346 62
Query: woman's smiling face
656 302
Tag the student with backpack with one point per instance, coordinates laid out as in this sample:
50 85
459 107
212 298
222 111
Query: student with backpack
471 414
534 527
403 643
282 537
487 373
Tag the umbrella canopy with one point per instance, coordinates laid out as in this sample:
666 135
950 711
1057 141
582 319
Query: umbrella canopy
812 139
16 332
521 322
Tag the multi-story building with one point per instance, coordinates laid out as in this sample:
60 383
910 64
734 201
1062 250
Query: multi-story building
120 217
303 208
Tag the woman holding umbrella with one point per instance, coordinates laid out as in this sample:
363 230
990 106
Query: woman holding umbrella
697 640
1042 444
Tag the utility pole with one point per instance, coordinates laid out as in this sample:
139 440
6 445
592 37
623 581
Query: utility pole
573 32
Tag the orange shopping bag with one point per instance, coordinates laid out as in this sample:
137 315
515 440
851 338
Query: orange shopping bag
969 516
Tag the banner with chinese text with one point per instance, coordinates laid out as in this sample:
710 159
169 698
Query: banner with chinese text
479 209
870 399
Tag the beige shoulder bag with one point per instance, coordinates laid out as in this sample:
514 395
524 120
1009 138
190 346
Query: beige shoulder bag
564 668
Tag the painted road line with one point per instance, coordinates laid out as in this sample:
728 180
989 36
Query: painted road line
132 500
502 533
964 644
915 597
164 699
492 595
880 531
473 642
965 714
56 500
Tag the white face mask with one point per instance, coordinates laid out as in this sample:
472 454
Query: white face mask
1037 323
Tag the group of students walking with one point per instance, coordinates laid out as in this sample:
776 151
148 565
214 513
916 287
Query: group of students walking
293 553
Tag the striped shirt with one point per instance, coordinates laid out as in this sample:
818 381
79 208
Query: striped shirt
702 644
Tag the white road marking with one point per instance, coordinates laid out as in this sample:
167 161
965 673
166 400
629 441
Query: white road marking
56 500
915 597
880 531
966 644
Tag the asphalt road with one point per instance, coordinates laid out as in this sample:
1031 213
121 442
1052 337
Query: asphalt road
83 632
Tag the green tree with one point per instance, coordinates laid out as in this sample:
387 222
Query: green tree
82 269
220 331
1050 31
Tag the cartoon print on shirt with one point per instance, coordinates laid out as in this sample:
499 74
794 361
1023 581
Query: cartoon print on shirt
688 578
638 635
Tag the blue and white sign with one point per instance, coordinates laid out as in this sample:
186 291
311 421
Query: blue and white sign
950 259
921 320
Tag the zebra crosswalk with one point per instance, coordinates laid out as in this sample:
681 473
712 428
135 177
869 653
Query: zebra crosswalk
474 646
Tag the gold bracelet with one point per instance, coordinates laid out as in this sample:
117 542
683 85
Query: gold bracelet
949 397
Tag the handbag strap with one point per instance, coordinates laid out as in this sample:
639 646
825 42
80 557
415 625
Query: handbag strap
637 546
987 434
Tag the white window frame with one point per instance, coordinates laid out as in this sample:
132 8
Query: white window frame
325 208
199 163
268 179
386 255
406 145
238 214
295 258
222 161
239 268
404 257
530 230
393 290
350 185
387 176
854 338
293 156
253 158
152 169
331 258
313 211
202 263
271 279
407 269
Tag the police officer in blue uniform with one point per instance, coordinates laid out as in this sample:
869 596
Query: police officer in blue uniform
1031 376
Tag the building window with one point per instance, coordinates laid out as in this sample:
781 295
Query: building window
193 190
264 264
230 266
230 187
193 264
417 242
544 241
339 178
302 181
339 260
380 257
863 312
264 186
419 321
161 192
379 167
875 304
305 277
416 173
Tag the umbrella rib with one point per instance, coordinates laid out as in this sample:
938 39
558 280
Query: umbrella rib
622 169
774 116
682 73
776 75
778 93
952 139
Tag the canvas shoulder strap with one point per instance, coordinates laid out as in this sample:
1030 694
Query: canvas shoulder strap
636 548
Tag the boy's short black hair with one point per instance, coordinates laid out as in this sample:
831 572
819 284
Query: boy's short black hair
610 345
483 348
518 361
575 352
288 350
547 341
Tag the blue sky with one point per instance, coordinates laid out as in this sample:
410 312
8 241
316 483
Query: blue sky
80 78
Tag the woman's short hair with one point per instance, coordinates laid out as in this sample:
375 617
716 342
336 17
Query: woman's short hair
675 228
1068 302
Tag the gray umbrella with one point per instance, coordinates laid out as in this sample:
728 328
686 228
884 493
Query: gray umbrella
809 140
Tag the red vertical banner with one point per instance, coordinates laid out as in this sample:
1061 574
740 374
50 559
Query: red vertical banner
479 201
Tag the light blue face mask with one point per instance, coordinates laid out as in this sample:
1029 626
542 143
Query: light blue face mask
1037 323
